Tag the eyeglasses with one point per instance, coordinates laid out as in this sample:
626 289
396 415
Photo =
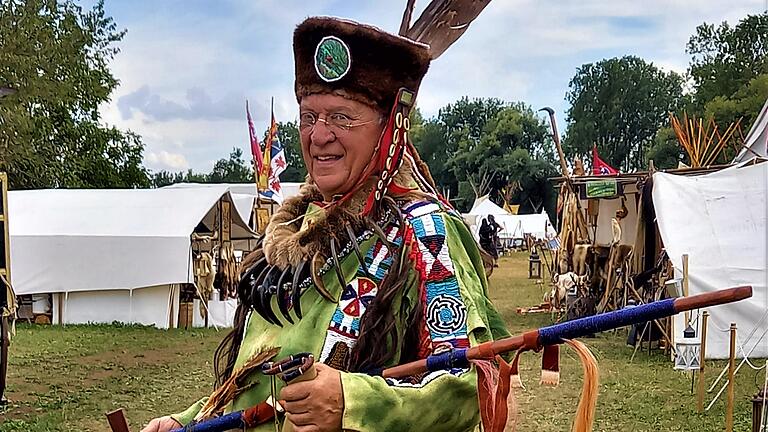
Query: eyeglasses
337 121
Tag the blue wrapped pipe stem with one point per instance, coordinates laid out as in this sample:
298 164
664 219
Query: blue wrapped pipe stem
226 422
555 334
454 358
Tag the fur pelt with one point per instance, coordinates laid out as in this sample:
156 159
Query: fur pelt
286 243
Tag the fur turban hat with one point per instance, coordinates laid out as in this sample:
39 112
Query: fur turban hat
357 61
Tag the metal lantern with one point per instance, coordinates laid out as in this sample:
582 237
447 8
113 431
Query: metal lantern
674 288
688 351
534 264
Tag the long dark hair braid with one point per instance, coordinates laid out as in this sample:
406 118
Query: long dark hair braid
379 335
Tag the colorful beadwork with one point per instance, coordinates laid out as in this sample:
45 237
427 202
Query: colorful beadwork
358 294
332 59
446 315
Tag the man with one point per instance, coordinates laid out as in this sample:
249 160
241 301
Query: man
382 270
487 241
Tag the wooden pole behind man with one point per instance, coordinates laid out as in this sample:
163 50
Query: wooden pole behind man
7 301
731 386
685 286
582 223
703 354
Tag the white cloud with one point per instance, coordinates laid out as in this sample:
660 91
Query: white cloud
187 67
164 160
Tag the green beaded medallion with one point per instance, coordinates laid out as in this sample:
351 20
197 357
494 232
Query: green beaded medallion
332 59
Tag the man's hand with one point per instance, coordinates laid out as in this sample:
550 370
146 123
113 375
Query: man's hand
316 405
162 424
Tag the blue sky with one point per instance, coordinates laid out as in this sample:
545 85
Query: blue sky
186 67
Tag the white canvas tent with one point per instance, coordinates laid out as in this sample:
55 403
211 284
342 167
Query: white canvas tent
243 194
110 255
756 142
719 220
513 226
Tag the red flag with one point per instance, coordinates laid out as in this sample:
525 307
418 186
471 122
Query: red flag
271 137
599 167
258 159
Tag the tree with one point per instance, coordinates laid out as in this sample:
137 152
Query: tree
508 160
438 139
55 55
725 59
288 133
619 104
232 170
666 151
745 104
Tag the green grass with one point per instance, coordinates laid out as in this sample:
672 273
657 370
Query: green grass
65 379
643 395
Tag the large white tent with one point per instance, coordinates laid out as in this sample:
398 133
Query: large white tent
513 226
756 142
243 194
719 220
110 255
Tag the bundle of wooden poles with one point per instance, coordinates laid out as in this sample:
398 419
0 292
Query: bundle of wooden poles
703 142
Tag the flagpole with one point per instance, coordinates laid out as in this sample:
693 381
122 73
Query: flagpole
254 162
271 119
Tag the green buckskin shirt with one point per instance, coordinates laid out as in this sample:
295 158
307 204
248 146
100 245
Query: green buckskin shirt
447 272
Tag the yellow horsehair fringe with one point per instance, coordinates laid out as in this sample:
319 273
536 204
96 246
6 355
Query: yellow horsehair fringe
585 412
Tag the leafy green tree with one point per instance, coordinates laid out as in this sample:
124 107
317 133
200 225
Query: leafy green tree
725 60
619 104
745 104
232 170
166 178
55 55
288 133
438 139
509 160
666 151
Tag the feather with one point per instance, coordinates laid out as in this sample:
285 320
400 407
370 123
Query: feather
443 22
407 14
235 385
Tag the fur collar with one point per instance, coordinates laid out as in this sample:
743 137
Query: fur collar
288 239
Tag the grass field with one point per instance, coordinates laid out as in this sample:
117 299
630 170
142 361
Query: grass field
65 379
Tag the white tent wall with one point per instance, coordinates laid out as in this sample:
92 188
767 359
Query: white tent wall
606 212
221 314
244 205
156 306
756 142
513 226
86 240
49 264
719 220
98 251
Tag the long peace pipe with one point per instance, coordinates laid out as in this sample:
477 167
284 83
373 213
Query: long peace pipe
555 334
533 339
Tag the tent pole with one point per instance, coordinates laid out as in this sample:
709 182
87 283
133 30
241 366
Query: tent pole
130 306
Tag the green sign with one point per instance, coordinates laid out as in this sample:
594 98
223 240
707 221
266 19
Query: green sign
602 189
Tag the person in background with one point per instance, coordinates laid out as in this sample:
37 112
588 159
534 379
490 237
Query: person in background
487 241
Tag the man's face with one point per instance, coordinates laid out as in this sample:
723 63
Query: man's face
338 137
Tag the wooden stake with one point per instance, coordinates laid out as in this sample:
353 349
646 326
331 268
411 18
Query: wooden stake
700 395
117 421
731 386
685 285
